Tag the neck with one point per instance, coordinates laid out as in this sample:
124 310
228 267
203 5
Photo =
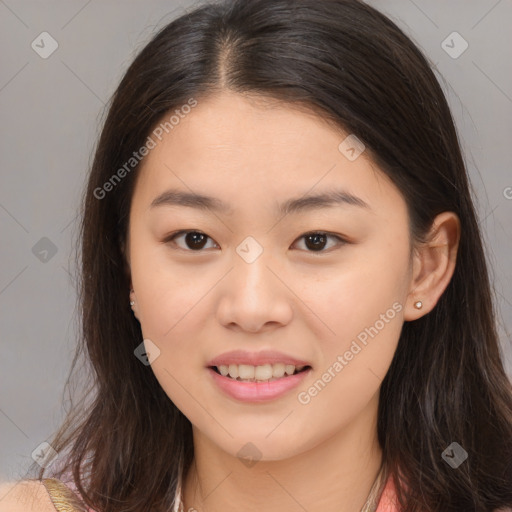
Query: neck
334 476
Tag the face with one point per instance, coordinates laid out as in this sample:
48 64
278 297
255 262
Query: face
321 284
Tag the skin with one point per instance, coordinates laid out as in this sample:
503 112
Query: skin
323 455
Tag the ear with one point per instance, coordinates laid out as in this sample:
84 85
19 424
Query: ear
433 265
134 300
126 256
123 245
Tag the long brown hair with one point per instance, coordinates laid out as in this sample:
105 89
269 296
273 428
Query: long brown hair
123 441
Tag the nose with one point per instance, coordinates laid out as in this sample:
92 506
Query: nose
254 297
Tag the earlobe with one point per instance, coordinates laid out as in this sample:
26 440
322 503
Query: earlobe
133 303
127 269
433 265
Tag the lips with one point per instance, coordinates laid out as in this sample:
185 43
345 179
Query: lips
258 373
257 392
242 357
257 376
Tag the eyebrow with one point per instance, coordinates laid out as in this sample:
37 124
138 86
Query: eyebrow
327 199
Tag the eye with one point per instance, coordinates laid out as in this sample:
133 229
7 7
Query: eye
315 241
194 240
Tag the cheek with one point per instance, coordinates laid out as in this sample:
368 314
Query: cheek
360 307
172 311
363 309
166 293
353 294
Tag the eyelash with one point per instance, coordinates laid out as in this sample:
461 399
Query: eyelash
176 234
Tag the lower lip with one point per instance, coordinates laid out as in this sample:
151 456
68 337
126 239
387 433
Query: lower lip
257 391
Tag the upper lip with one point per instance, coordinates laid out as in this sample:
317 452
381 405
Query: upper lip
255 358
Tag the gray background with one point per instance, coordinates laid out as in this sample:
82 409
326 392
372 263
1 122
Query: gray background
50 118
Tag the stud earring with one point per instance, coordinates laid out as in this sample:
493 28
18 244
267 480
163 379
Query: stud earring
418 305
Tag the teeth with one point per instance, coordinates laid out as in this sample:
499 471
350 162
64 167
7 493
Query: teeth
245 371
289 369
264 372
258 373
278 370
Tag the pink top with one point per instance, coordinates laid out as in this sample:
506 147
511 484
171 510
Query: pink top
387 502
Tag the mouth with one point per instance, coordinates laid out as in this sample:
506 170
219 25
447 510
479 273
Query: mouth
258 384
260 373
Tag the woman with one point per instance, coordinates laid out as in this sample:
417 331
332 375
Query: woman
285 299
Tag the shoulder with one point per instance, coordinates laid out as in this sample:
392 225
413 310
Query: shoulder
25 496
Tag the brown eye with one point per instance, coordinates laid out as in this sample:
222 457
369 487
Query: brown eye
194 240
316 241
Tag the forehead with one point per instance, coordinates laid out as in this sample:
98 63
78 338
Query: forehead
247 150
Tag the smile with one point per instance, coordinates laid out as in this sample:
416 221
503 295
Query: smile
252 389
262 373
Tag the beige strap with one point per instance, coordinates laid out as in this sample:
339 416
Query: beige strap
63 498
